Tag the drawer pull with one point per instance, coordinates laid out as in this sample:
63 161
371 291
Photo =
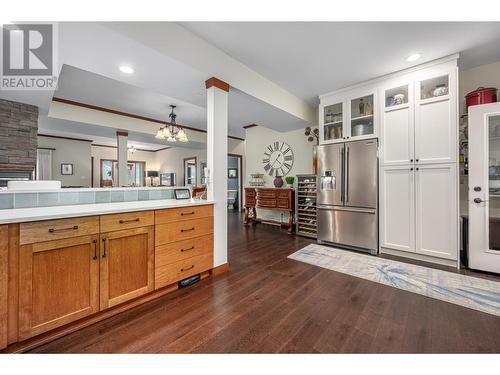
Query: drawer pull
187 269
189 248
54 230
137 219
187 213
187 230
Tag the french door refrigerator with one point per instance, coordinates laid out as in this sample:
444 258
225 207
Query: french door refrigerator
348 195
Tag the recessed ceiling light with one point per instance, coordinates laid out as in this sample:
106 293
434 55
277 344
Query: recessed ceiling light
126 69
414 57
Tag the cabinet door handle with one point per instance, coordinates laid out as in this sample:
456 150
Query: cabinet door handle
411 169
411 160
94 243
187 213
187 249
187 269
416 160
54 230
104 247
129 221
187 230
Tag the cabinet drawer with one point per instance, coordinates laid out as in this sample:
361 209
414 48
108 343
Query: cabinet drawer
284 194
263 194
283 203
177 251
184 213
173 272
250 192
250 202
47 230
110 223
183 230
266 202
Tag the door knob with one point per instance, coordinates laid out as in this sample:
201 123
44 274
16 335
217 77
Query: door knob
478 200
477 188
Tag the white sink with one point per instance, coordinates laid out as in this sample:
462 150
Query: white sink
33 185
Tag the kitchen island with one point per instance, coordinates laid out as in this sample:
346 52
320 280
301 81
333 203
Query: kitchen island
65 267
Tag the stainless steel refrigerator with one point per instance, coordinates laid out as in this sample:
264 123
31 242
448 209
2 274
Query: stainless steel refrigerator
348 195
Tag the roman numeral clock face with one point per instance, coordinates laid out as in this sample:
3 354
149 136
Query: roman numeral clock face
278 159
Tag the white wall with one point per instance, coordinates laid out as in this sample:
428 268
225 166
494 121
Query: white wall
256 141
172 160
484 75
99 152
259 137
69 152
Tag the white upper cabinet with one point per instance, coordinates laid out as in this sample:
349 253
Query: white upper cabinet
436 119
436 210
348 117
397 124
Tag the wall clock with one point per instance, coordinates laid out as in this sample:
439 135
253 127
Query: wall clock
278 159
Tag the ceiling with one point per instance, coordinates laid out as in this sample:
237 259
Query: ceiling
312 58
307 59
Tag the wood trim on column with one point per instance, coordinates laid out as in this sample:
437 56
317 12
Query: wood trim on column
219 269
215 82
122 133
250 126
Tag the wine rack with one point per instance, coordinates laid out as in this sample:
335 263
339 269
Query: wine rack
305 218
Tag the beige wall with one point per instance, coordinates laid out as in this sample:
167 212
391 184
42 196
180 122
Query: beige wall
72 152
484 75
99 152
259 137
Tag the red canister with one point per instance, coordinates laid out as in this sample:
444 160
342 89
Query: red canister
482 95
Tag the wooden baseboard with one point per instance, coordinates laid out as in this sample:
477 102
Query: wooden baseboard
219 269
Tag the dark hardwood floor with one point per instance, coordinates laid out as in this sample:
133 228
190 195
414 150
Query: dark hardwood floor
269 304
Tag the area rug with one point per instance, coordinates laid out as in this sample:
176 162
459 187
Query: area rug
472 292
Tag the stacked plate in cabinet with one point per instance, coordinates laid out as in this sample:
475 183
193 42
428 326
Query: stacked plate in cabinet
306 221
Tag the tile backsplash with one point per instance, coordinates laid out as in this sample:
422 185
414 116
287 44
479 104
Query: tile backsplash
65 198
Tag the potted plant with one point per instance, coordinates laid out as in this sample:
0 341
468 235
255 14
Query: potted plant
289 180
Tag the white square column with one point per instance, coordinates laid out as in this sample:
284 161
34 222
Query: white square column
217 119
122 156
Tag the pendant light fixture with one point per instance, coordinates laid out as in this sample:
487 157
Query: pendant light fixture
171 131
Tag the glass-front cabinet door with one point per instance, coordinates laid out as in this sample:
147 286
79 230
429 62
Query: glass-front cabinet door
484 187
333 122
362 117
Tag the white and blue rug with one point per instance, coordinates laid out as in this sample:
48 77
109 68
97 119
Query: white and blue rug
472 292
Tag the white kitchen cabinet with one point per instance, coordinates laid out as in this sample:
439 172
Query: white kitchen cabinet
349 116
436 119
397 125
436 210
397 208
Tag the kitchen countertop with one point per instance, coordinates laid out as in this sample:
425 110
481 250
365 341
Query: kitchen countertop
19 215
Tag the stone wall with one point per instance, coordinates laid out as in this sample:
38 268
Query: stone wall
18 133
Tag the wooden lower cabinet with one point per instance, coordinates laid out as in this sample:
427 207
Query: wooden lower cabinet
127 265
58 283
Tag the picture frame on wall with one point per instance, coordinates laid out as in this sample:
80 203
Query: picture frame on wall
232 173
66 169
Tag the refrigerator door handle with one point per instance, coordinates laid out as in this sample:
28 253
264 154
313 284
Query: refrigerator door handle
342 191
372 211
346 189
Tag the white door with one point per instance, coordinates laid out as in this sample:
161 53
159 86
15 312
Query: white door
397 134
436 210
397 208
484 187
436 120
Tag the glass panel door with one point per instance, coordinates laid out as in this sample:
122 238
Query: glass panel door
434 87
333 122
494 182
483 214
362 116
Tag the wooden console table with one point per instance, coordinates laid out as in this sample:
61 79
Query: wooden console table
281 199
